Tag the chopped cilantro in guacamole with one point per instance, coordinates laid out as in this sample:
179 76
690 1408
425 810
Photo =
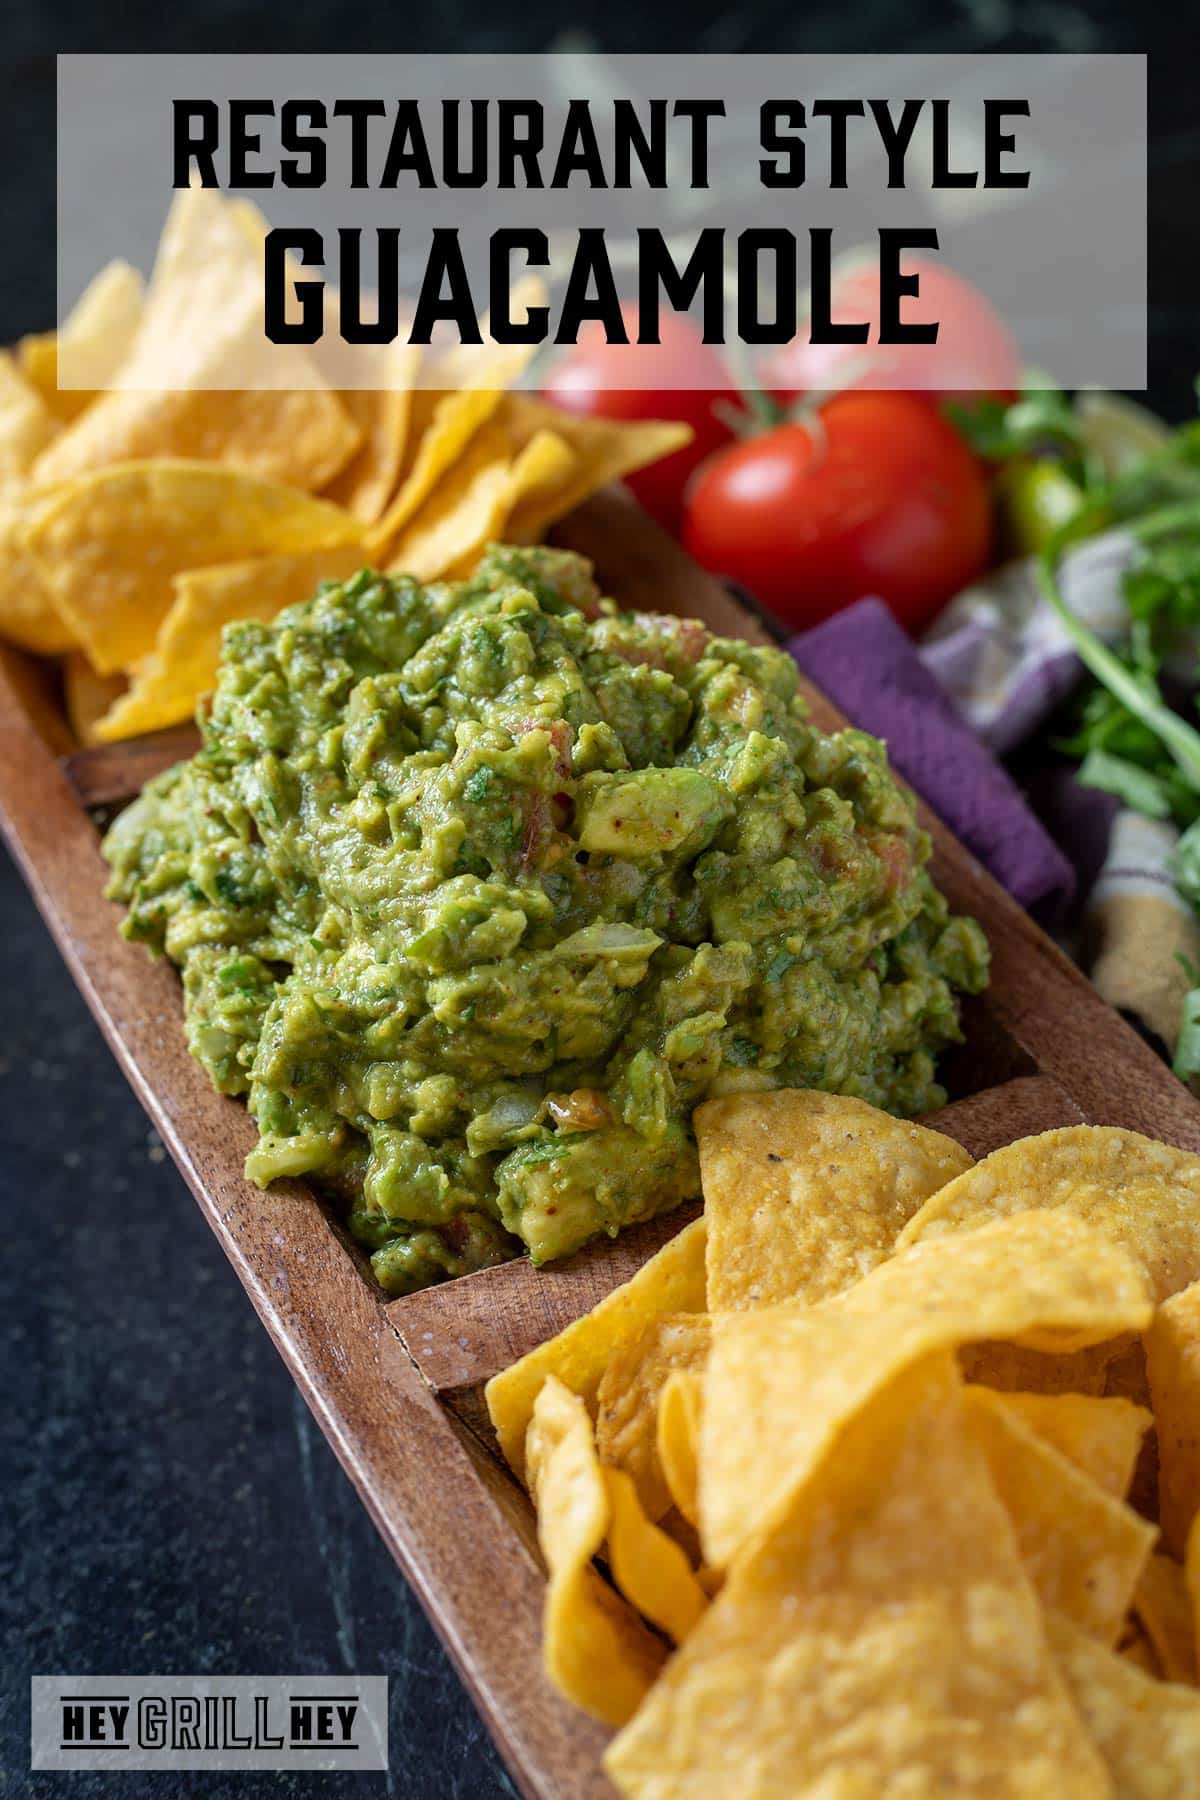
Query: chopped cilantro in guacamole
477 889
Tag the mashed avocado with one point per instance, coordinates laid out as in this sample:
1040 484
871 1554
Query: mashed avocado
477 889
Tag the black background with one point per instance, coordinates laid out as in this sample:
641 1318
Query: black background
168 1505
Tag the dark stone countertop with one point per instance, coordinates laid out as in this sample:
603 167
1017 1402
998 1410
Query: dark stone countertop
167 1504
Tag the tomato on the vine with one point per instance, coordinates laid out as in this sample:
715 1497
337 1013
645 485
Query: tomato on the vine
641 381
876 494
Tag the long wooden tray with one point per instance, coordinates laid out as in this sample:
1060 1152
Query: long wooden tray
396 1386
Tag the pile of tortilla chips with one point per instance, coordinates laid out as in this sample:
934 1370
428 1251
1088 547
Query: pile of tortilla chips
892 1461
141 515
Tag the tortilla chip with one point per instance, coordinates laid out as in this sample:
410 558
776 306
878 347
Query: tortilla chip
464 512
95 337
596 1650
627 1399
536 468
444 422
1088 1290
1173 1367
1144 1195
684 1533
782 1384
1013 1369
1135 1646
183 664
677 1439
1125 1372
26 425
1164 1606
1100 1436
670 1282
441 427
108 545
368 481
605 450
1191 1576
88 696
201 382
295 439
833 1660
1147 1731
1083 1550
650 1569
471 505
807 1192
28 615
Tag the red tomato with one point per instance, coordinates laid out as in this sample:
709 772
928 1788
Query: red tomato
640 381
878 495
975 351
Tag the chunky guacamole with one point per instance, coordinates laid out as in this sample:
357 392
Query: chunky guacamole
478 888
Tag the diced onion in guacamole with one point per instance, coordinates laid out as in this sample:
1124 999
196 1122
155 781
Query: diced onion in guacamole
478 889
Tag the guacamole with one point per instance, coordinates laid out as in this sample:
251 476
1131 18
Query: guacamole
478 888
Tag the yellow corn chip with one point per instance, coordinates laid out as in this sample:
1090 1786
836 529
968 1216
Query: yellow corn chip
596 1650
108 545
1135 1646
1144 1195
671 1281
183 664
1013 1369
195 383
1100 1436
368 481
95 338
444 422
1173 1366
1191 1575
882 1640
628 1397
1147 1731
781 1384
26 425
470 506
806 1192
678 1439
88 696
1083 1550
605 450
649 1567
537 467
293 438
28 615
464 513
1164 1606
688 1538
441 426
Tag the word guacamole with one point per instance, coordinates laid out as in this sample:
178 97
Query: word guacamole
478 889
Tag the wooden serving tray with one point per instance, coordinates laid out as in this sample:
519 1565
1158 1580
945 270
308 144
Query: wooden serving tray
396 1385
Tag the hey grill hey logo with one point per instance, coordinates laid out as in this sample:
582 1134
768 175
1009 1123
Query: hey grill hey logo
208 1722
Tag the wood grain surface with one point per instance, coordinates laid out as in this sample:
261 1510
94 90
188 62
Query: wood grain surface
1043 1049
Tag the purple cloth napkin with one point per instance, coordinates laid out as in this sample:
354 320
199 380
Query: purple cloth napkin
870 668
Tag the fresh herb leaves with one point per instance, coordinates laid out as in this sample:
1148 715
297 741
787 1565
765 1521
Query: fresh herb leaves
1041 419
